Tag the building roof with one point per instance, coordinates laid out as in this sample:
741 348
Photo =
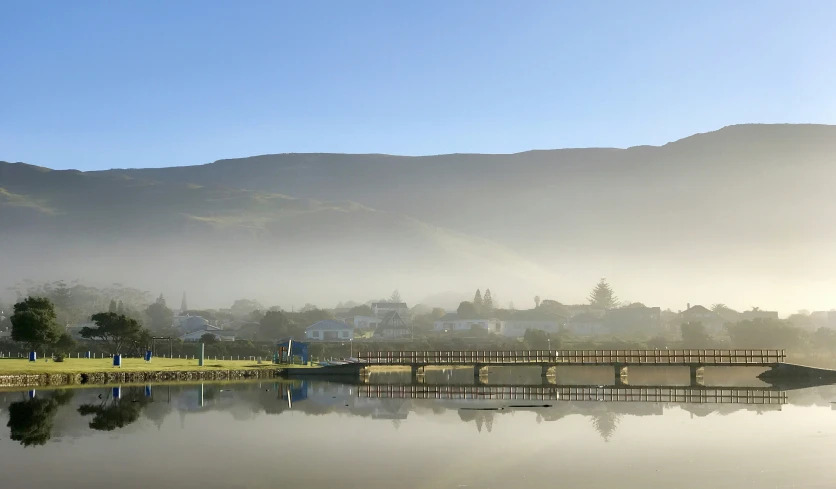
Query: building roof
328 325
392 320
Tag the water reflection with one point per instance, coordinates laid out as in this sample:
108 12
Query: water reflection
31 420
286 428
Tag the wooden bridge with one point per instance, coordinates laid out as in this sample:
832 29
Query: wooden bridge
620 360
698 395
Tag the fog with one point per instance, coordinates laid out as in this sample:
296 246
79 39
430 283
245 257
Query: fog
740 216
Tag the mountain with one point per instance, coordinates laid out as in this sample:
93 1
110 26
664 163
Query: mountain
220 242
739 215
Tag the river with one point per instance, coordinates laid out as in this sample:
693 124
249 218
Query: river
316 434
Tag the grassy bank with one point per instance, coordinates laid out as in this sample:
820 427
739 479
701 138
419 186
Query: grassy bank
21 366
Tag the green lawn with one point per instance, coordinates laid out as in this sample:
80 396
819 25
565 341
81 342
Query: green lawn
85 365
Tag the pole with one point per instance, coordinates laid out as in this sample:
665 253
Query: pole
200 363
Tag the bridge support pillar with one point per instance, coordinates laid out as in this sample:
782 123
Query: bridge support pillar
620 375
696 375
544 370
477 372
416 373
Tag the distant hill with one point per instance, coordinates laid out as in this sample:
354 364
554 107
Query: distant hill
744 206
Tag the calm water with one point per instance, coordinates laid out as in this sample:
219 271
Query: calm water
319 434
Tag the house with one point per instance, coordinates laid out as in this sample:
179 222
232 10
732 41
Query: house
393 326
366 322
586 324
516 328
758 314
824 319
189 323
452 322
713 322
329 330
634 319
216 332
381 309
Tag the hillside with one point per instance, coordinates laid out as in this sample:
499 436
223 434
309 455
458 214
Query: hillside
742 208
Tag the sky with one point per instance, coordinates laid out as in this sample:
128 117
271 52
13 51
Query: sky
114 84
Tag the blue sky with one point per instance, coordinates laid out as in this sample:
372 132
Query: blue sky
104 84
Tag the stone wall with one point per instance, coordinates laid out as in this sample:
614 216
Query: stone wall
40 380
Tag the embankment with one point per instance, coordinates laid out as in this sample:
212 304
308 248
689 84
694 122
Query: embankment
67 379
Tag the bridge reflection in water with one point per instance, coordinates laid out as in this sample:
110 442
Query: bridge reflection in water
653 394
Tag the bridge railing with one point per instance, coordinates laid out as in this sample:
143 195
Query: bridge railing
578 357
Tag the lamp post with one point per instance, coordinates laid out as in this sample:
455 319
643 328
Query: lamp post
351 347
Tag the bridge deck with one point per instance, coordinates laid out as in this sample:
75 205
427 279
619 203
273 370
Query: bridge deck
701 395
765 358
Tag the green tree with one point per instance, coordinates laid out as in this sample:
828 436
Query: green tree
764 333
536 339
396 297
467 310
111 414
362 310
536 301
112 307
694 335
243 307
274 325
477 300
33 323
30 421
487 301
159 315
208 338
113 330
602 296
65 343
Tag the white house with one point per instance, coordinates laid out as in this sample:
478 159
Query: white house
380 309
586 324
367 322
197 335
451 322
329 330
513 328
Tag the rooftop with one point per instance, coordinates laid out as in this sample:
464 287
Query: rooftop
328 325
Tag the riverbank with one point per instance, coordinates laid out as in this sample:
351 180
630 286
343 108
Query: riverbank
21 372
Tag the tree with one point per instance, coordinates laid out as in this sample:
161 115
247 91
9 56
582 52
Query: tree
33 322
362 310
694 335
65 343
536 339
208 338
477 299
274 325
30 421
764 333
467 310
487 301
243 307
160 317
113 330
183 305
115 413
396 296
719 307
602 296
112 307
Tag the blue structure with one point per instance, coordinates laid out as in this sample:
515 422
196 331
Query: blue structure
117 360
299 349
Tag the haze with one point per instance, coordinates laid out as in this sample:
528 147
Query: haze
721 191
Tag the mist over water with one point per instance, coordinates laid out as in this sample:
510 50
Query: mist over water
265 431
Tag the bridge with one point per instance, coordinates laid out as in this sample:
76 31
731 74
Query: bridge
620 360
697 395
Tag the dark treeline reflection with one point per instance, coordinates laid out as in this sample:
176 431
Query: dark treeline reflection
35 417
